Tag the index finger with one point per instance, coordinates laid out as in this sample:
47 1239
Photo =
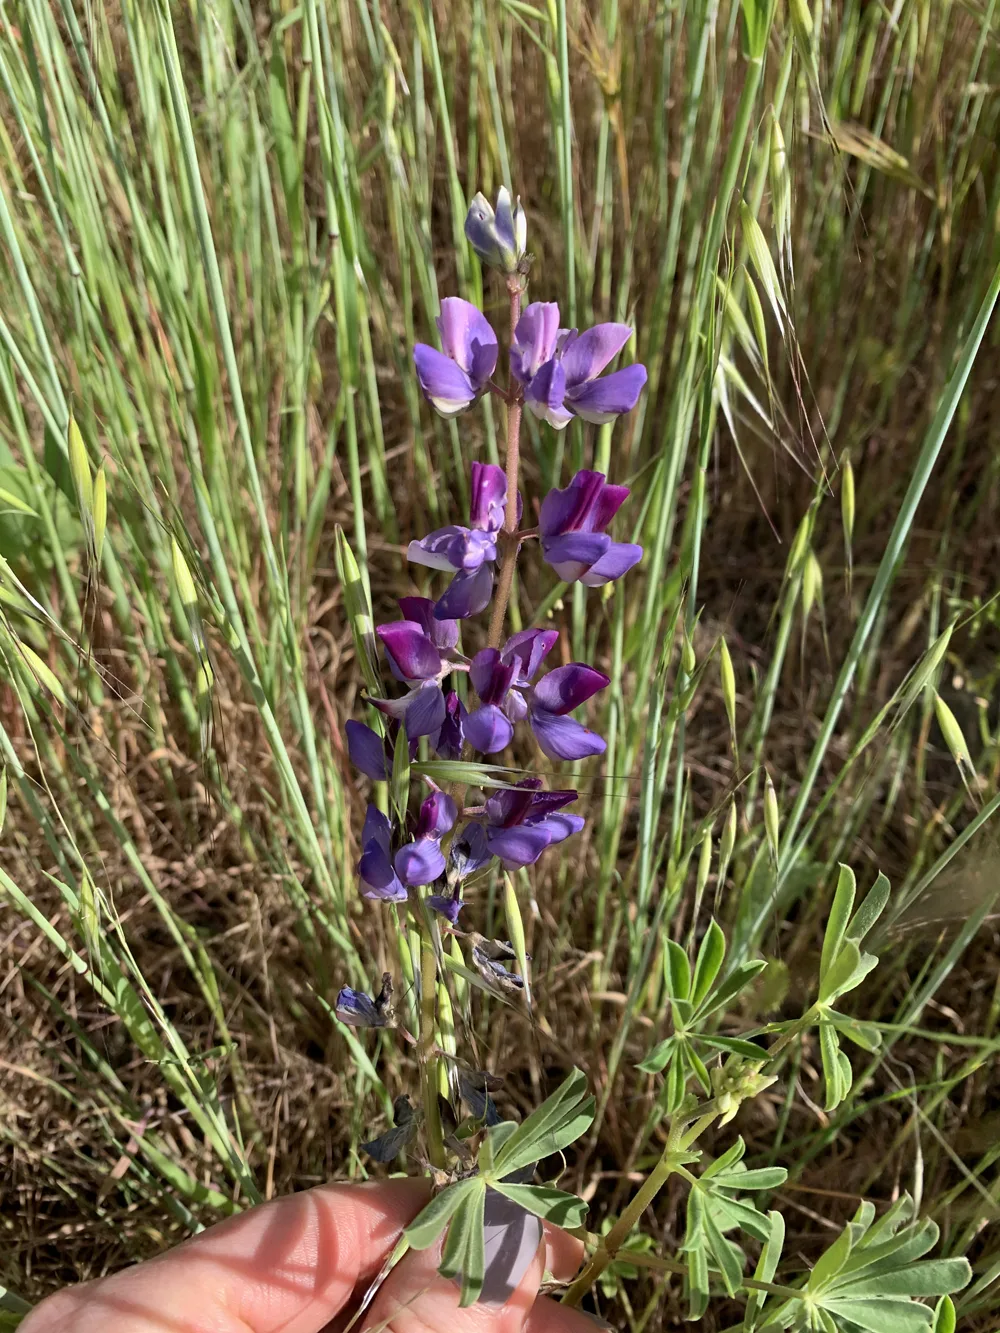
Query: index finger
290 1265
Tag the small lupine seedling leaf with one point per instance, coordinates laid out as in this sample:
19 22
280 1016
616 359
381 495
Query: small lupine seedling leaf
493 1141
552 1205
865 1035
840 914
677 971
733 985
425 1228
658 1057
710 958
698 1292
833 1077
945 1320
464 1251
870 910
554 1125
767 1266
839 973
733 1046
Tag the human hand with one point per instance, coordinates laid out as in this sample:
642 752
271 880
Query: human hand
302 1263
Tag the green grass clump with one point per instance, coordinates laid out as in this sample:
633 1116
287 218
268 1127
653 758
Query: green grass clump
221 230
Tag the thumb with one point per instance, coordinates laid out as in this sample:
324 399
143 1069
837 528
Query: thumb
416 1299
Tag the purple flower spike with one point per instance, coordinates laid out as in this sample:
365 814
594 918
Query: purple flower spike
523 820
468 552
571 524
453 379
375 867
422 861
367 751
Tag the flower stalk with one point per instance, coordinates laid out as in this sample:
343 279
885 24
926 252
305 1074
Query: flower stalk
428 1061
512 464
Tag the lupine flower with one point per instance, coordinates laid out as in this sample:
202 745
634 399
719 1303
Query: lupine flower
453 379
559 368
571 525
376 870
359 1010
422 861
405 1123
522 821
469 552
446 742
487 955
499 238
467 854
502 679
416 660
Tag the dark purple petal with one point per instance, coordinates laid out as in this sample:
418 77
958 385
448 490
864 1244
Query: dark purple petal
467 338
438 813
561 827
420 862
446 907
573 554
543 803
420 610
447 741
521 845
600 401
527 648
467 594
425 710
357 1009
488 730
587 355
468 853
588 504
491 675
508 805
489 497
616 561
410 650
568 687
563 737
545 393
534 339
367 751
446 386
376 829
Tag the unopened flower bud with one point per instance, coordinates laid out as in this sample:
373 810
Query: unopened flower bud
499 238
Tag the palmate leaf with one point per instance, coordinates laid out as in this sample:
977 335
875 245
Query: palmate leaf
767 1266
840 912
552 1205
554 1125
425 1228
464 1253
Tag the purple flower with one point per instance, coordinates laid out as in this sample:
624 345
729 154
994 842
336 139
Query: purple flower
441 631
422 861
502 679
467 855
454 378
498 238
375 867
560 368
522 821
416 660
571 525
359 1010
469 552
446 742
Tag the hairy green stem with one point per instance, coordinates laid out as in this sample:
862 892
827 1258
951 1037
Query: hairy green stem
509 542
